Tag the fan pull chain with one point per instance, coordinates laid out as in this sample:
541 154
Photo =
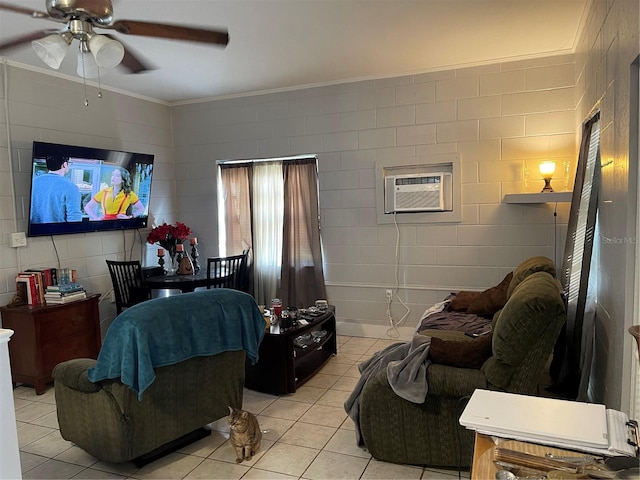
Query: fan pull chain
84 78
99 85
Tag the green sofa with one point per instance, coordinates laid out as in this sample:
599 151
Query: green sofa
524 333
197 343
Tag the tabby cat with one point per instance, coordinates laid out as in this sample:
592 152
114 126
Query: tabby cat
245 434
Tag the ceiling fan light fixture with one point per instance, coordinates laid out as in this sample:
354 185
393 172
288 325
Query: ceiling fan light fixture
107 52
51 49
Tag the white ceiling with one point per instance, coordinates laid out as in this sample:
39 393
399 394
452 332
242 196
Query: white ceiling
280 44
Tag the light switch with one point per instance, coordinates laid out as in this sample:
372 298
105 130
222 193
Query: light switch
18 239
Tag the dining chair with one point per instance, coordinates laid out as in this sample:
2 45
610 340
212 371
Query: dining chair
225 272
128 284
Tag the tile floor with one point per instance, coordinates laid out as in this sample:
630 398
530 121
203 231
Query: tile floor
309 436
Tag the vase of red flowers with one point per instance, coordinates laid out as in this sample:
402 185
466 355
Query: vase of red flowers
168 237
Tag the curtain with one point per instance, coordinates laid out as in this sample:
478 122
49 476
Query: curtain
272 207
268 207
237 210
302 280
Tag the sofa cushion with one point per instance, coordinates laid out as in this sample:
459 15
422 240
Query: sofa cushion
73 374
460 350
492 299
461 300
529 266
531 319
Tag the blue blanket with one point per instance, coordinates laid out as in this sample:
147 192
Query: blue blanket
166 331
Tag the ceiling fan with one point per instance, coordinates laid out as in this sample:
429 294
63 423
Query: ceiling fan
81 18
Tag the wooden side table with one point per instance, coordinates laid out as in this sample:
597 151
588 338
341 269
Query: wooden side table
282 366
483 466
45 335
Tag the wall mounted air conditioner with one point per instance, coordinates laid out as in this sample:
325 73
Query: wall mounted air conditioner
418 192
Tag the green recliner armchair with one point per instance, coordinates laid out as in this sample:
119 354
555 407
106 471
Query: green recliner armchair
524 334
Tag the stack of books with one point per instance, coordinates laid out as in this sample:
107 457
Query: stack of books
64 293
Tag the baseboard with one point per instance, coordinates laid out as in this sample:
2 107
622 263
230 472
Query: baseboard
368 330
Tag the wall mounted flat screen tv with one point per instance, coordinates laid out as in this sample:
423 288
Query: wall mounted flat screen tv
82 189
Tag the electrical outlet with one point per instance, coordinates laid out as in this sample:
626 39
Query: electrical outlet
18 239
388 293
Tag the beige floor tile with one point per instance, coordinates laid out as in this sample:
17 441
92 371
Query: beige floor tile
366 341
48 446
354 349
53 469
322 380
256 403
273 428
226 453
346 358
205 446
257 474
385 471
30 433
308 435
353 372
442 474
174 465
49 420
29 461
307 393
287 409
34 410
126 469
345 384
288 459
333 398
348 425
329 465
324 415
92 474
335 369
77 456
344 441
215 469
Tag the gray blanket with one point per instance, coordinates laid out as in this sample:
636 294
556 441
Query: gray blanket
406 365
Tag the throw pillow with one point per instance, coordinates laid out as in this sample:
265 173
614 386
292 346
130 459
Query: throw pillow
467 353
492 299
461 301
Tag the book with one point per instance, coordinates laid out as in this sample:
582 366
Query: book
32 289
66 298
65 287
21 291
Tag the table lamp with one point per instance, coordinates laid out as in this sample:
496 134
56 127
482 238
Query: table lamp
547 169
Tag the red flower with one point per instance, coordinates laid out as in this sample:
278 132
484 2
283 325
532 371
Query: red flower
168 236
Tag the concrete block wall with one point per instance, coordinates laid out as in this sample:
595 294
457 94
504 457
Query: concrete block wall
48 108
502 120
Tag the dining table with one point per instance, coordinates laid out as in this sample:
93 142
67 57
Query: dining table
184 283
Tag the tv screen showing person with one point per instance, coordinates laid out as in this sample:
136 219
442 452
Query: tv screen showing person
114 202
54 197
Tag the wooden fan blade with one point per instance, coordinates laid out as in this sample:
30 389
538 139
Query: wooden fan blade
22 39
131 60
174 32
26 11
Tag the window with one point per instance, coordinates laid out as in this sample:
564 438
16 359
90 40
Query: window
271 208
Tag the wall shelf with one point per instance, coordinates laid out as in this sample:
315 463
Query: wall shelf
543 197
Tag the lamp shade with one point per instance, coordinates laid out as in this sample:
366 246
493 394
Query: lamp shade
87 67
547 169
51 50
107 52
